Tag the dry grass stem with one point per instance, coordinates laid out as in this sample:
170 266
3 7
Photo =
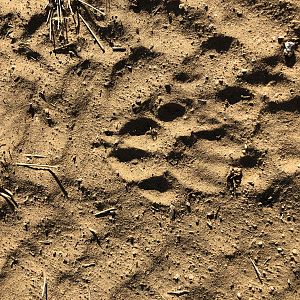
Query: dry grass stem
92 7
256 270
35 166
46 168
105 212
35 155
45 288
92 32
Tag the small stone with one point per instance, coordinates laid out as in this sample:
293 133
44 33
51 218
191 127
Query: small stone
239 13
176 277
172 212
210 215
239 295
25 224
191 277
260 244
279 249
181 6
295 252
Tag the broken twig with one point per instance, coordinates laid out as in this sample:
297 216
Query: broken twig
92 264
92 7
95 235
89 293
179 292
92 32
35 155
45 168
8 196
35 166
119 49
45 288
256 271
105 212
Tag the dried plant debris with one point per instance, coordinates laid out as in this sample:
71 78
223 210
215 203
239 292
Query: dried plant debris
8 196
234 179
60 12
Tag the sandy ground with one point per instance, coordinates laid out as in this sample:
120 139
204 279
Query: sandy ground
188 140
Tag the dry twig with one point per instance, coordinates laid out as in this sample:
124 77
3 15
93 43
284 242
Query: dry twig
35 155
92 32
89 293
8 196
58 13
45 288
92 7
45 168
35 166
179 292
256 271
105 212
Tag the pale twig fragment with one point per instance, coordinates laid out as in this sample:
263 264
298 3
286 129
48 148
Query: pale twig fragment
35 155
179 292
46 168
45 288
92 7
256 270
92 32
35 166
105 212
8 196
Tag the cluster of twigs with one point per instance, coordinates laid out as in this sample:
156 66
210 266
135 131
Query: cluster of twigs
59 12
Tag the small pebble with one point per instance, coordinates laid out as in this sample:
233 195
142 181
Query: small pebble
176 277
295 252
191 277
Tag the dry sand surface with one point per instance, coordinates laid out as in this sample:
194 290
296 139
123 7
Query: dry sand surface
176 160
